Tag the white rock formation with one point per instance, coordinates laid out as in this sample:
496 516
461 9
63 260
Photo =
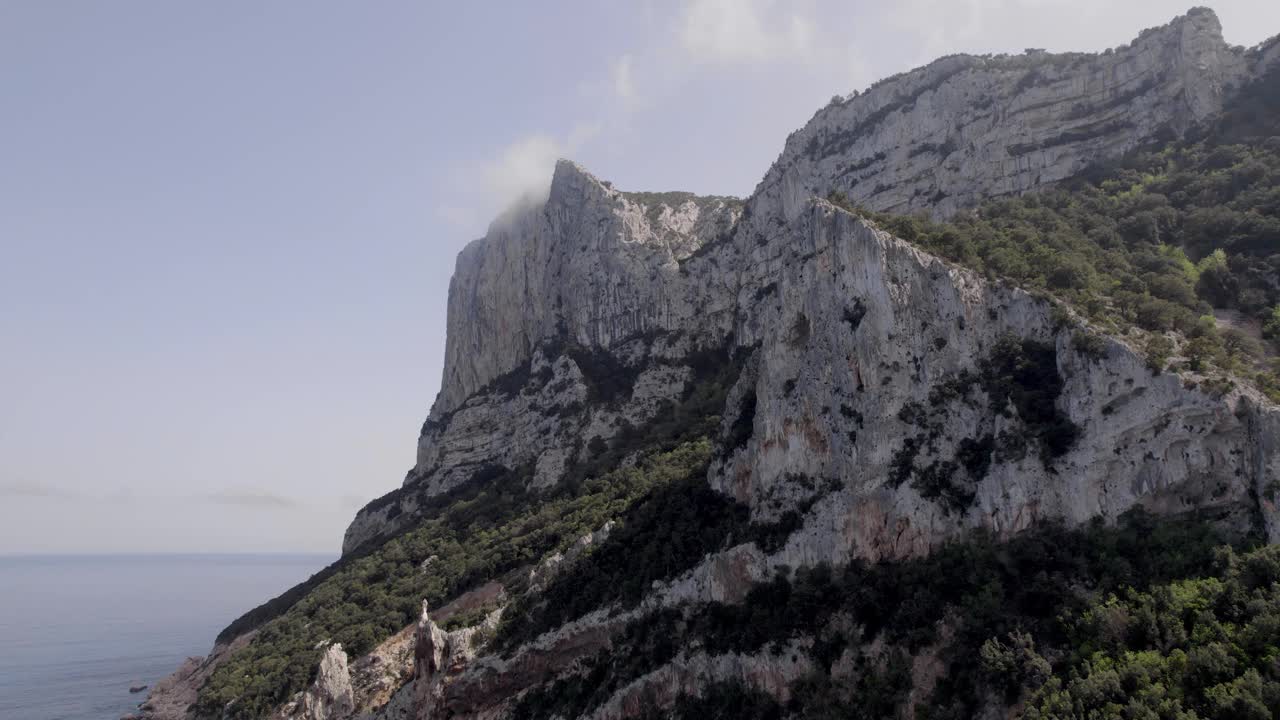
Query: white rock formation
330 697
439 657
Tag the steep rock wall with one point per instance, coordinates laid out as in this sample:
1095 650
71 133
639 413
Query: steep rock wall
877 369
827 444
592 264
964 128
597 267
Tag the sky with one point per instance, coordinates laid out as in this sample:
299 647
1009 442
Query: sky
227 229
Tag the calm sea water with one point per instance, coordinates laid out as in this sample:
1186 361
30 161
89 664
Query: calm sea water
77 631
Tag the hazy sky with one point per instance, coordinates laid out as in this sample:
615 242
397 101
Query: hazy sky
227 229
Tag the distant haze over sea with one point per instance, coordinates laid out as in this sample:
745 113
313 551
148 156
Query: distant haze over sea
79 630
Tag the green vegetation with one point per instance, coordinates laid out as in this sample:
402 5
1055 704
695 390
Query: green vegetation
984 588
722 701
696 415
1005 604
1023 373
1196 648
500 528
663 534
274 607
478 484
1158 240
490 527
676 198
1018 376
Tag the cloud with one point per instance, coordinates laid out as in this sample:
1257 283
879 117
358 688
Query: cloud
623 85
714 34
251 499
521 172
522 169
744 31
28 489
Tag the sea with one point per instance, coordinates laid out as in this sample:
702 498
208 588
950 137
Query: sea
76 632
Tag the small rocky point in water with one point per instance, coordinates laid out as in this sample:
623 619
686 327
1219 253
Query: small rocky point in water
137 688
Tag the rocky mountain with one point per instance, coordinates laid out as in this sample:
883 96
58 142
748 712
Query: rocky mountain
966 128
697 454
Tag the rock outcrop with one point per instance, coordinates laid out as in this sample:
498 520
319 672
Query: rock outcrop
771 672
964 128
592 265
886 384
382 679
330 696
438 658
379 674
171 697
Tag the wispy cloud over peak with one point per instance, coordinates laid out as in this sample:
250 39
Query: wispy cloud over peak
521 173
623 83
523 168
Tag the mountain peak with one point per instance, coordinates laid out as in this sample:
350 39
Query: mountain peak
962 128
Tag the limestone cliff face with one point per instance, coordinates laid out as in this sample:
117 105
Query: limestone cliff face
647 278
871 358
598 266
330 696
965 128
596 269
592 264
867 376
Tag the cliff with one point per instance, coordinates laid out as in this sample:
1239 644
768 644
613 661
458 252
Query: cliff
850 399
649 277
965 128
874 366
